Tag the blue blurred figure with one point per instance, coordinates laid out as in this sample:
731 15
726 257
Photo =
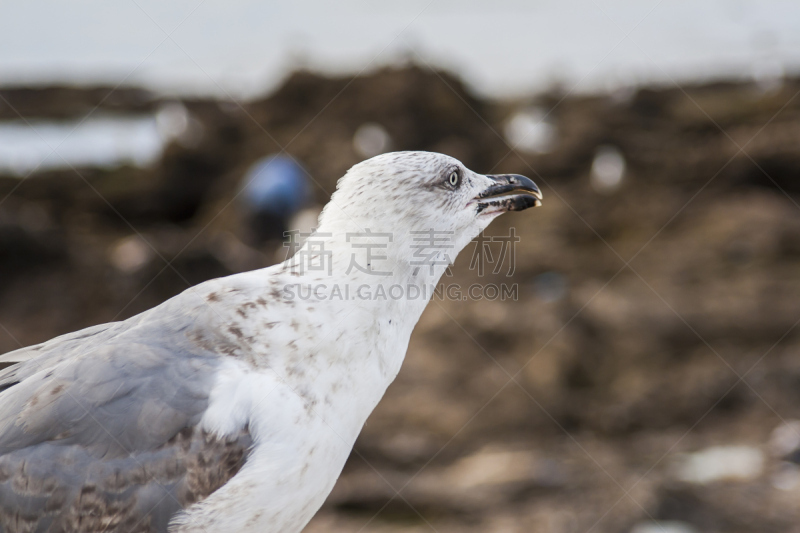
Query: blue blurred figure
273 190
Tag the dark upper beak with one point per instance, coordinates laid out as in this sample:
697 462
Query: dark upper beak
509 192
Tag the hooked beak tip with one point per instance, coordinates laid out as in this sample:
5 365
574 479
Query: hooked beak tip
509 192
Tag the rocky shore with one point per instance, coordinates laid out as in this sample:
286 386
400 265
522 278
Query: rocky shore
645 378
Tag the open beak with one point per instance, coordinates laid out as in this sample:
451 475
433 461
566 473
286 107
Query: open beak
509 192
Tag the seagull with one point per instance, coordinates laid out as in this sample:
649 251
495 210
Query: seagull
233 406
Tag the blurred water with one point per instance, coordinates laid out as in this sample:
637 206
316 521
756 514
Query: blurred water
501 47
99 141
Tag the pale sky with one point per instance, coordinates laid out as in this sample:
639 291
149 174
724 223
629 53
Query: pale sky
500 47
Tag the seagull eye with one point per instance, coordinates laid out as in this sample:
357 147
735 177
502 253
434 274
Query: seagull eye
452 179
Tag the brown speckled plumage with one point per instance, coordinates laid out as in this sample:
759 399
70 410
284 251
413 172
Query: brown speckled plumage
51 488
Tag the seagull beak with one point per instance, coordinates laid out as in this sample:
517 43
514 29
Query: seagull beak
508 192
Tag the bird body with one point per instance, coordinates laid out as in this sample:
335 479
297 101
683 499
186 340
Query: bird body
233 406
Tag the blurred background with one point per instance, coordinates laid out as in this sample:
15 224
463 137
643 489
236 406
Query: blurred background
647 377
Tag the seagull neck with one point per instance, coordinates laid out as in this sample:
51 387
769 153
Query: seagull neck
378 267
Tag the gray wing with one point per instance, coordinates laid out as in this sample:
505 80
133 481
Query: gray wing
49 353
99 432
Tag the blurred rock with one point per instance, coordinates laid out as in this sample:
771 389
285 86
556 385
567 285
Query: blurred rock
493 469
559 410
786 477
550 286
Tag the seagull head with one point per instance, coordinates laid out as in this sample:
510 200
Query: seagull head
412 192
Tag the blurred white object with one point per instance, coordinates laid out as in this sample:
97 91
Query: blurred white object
665 526
785 438
371 139
493 467
787 476
174 121
608 169
528 130
130 254
720 463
